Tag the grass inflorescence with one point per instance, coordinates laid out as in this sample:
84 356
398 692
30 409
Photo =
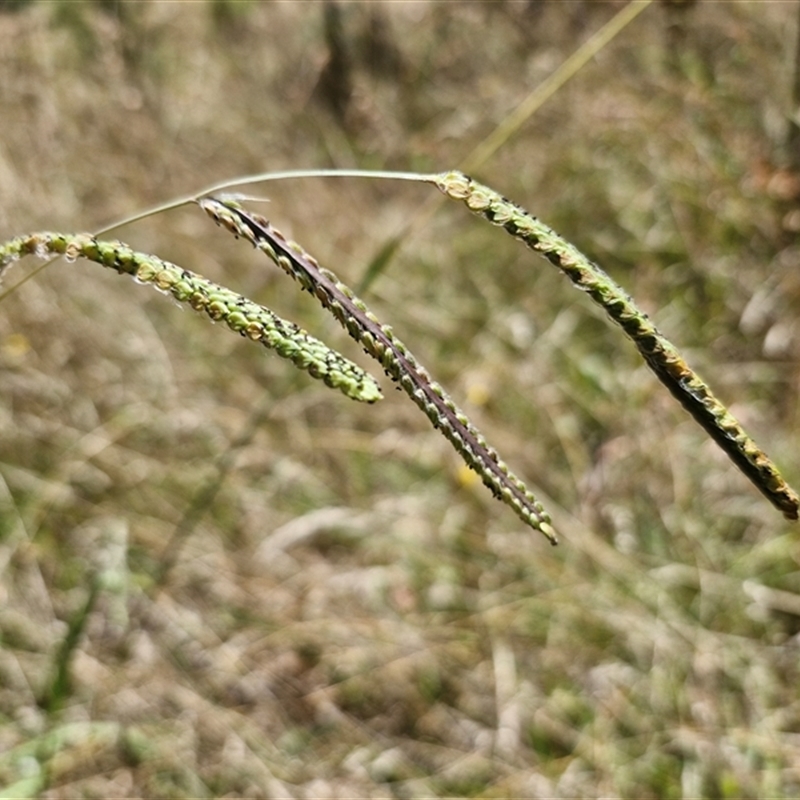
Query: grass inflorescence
303 597
659 353
243 316
380 342
259 323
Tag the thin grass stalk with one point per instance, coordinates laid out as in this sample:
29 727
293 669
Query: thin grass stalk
658 352
380 342
241 315
511 124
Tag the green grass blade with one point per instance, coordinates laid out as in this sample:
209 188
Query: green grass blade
59 688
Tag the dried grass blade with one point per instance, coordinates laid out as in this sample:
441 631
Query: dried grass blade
661 356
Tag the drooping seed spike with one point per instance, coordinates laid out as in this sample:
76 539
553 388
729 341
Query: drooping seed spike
658 352
218 303
382 344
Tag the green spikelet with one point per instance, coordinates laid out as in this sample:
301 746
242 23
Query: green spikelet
661 356
380 342
241 315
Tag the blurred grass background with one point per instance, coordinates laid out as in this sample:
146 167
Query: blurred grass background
221 579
